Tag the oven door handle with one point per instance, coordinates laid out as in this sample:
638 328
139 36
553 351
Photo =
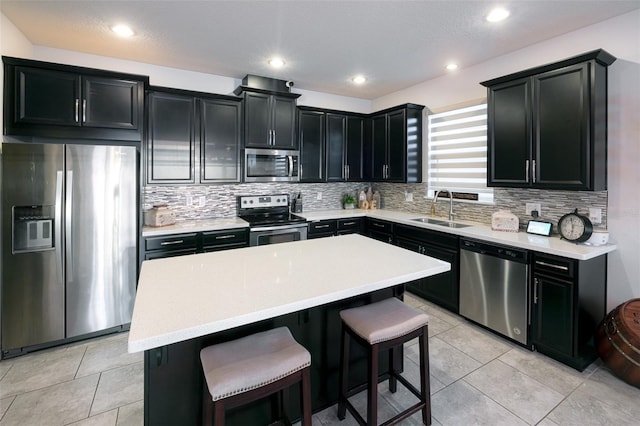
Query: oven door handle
279 227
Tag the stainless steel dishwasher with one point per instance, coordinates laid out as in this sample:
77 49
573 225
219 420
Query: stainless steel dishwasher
495 287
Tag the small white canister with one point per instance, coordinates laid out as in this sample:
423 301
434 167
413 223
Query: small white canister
504 220
598 238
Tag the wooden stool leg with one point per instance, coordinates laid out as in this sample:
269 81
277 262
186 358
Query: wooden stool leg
218 413
393 359
372 389
207 406
425 386
305 394
344 374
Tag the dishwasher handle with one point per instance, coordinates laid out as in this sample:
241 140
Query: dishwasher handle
502 252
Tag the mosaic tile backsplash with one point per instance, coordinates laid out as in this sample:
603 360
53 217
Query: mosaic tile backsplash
220 200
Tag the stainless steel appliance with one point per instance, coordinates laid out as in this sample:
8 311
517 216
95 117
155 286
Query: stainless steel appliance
495 288
271 165
270 220
69 242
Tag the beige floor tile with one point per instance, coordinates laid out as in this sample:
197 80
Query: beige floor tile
55 405
41 369
131 415
480 345
106 355
443 314
462 405
5 366
447 364
602 385
118 387
103 419
5 403
525 397
582 409
557 376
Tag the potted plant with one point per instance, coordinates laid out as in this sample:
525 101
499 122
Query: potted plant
348 201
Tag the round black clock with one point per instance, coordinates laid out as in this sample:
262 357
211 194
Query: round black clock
575 227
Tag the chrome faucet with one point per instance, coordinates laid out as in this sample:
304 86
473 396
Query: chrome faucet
435 200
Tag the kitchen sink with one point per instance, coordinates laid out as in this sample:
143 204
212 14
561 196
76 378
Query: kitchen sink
440 222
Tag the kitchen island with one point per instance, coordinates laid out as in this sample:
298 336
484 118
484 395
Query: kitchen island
188 302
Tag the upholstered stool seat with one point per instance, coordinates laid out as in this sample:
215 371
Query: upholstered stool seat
384 325
253 367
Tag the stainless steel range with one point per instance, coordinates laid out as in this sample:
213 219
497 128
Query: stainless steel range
270 219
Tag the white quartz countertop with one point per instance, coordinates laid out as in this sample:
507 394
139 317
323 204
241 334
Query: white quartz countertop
551 245
184 297
197 225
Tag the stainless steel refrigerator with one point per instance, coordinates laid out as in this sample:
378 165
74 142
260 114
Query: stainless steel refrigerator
69 242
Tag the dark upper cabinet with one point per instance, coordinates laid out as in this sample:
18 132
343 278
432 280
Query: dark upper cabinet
311 128
547 126
59 101
270 120
344 143
395 145
192 138
354 150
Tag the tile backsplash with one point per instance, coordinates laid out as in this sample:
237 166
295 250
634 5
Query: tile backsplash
220 200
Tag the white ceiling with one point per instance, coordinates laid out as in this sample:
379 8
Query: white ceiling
396 44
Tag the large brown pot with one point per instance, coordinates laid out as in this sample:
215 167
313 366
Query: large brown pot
618 341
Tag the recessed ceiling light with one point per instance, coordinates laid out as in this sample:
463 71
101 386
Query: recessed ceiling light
497 15
276 62
122 30
359 79
452 66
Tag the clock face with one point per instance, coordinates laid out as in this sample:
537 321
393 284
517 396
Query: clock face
572 227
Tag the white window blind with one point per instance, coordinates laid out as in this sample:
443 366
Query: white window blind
457 152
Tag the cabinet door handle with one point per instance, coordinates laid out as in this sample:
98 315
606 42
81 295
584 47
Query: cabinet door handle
379 225
552 265
348 172
274 138
526 171
170 243
224 237
77 110
321 226
84 110
533 171
348 223
535 291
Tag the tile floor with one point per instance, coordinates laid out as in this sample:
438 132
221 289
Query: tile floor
476 378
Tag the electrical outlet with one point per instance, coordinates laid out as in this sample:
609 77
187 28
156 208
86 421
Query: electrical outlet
202 201
319 196
408 196
533 207
188 200
595 215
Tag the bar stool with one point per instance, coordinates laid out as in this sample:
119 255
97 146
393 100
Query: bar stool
251 368
384 325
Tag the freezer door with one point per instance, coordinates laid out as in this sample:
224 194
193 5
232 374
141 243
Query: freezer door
101 236
32 274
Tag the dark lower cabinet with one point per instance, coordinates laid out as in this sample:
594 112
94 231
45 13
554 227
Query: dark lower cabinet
353 225
378 229
442 289
194 242
322 228
60 101
569 301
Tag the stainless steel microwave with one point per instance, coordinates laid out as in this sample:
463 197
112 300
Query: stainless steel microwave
271 165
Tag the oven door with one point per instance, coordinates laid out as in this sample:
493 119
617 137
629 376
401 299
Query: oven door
271 165
277 234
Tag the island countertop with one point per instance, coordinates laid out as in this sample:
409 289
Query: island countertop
184 297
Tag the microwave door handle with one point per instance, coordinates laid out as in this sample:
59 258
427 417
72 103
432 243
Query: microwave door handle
59 247
290 158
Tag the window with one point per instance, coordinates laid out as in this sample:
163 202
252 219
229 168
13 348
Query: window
457 153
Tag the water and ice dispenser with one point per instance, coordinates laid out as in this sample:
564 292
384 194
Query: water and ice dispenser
33 228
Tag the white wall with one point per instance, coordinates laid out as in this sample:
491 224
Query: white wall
620 36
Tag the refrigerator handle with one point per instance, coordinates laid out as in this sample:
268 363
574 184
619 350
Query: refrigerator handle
58 228
68 245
